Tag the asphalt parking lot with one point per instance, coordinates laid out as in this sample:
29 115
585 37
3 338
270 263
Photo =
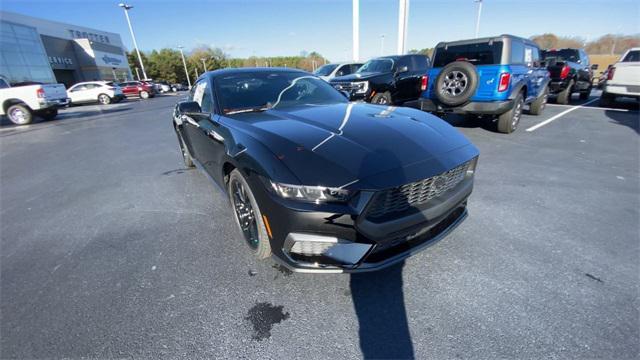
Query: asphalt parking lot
110 248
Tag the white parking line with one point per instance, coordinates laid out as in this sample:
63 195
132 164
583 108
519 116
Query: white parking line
559 115
591 107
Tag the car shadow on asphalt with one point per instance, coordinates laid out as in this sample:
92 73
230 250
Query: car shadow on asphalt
470 122
628 119
378 299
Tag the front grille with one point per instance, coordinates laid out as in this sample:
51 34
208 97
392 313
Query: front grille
342 86
400 199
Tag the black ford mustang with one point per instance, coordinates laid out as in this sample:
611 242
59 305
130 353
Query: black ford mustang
323 184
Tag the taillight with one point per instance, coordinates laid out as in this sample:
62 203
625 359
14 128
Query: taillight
424 82
610 73
40 93
504 81
564 72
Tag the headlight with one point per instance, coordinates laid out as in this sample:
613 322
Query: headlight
360 87
471 169
313 194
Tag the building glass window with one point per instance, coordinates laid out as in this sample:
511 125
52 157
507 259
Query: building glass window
23 56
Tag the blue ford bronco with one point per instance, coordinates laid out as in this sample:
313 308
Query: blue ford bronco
496 76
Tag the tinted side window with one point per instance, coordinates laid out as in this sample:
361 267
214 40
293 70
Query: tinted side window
404 61
532 56
202 95
420 63
3 84
517 52
632 56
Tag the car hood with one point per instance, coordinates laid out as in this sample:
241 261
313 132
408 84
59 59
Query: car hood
356 77
364 145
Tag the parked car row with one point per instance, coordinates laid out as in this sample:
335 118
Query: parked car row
493 77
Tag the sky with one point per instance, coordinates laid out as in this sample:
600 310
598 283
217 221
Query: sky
287 27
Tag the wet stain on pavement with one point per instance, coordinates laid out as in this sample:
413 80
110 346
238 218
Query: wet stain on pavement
283 269
263 316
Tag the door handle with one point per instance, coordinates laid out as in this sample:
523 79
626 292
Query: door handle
188 119
215 136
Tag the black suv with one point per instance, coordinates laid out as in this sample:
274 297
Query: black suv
570 73
386 80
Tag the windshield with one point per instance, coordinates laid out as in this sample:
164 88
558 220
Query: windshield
478 54
325 70
561 55
376 65
242 92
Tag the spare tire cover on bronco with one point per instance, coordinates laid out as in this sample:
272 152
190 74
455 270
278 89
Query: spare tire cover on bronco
456 83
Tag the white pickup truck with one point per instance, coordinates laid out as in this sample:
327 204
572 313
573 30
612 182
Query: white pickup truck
623 78
21 103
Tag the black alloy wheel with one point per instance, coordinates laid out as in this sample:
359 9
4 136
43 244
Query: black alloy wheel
245 216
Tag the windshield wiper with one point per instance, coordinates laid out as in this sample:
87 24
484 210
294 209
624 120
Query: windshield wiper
247 110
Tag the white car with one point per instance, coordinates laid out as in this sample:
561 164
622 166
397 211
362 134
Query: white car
329 71
103 92
623 78
23 101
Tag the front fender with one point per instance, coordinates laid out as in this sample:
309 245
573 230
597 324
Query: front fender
252 157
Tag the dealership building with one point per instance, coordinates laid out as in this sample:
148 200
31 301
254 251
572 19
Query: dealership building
46 51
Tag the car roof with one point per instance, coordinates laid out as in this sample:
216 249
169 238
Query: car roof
232 71
486 39
92 82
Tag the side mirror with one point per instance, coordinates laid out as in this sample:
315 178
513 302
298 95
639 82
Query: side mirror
594 67
402 69
189 107
346 94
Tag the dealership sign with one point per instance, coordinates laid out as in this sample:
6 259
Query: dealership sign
110 60
59 60
77 34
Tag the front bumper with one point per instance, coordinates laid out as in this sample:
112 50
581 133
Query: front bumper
374 245
481 108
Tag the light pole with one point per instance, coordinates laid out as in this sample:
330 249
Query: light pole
356 30
403 18
204 64
135 44
478 17
382 45
186 72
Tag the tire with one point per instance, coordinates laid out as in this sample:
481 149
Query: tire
382 98
607 99
144 94
49 114
508 122
456 83
20 114
184 150
564 97
104 99
259 241
539 104
584 95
